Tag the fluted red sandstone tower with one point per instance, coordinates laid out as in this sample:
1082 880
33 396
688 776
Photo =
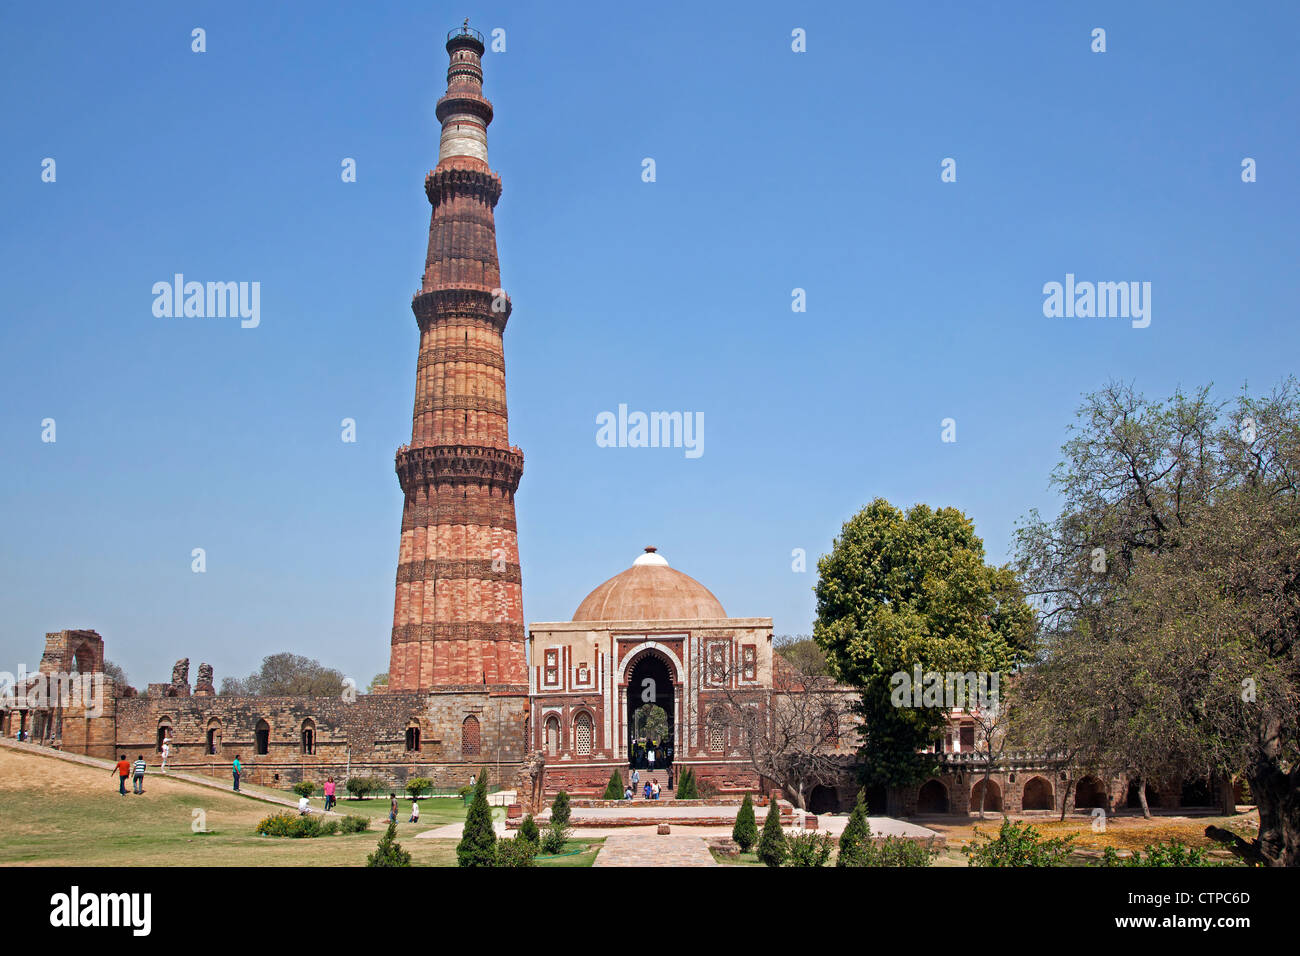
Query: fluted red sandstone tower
458 617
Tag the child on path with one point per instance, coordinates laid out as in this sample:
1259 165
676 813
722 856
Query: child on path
415 812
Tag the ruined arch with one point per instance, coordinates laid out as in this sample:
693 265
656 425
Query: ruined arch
307 736
1038 795
262 737
1090 792
164 731
992 802
932 797
823 800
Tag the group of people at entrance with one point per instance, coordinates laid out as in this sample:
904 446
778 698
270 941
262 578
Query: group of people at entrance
648 754
649 792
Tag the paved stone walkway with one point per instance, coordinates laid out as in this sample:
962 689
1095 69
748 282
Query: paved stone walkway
627 849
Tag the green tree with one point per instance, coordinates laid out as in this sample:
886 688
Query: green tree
377 683
772 848
855 841
477 845
1168 584
416 786
304 789
528 830
650 722
614 789
900 591
745 832
802 653
389 852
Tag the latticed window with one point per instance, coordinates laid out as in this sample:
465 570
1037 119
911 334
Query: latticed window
582 734
749 661
717 731
831 728
552 735
469 737
552 674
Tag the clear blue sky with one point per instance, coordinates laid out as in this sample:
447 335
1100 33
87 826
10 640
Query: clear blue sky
775 170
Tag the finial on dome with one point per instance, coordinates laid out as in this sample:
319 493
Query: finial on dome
650 556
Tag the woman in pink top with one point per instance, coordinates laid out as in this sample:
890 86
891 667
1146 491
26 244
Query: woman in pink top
329 793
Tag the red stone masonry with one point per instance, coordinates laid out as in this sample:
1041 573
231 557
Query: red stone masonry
458 614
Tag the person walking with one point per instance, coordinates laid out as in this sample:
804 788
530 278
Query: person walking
650 756
123 770
646 794
415 812
392 808
329 793
137 774
636 779
235 769
655 790
166 749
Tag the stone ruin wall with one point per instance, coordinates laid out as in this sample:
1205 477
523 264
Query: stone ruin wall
365 737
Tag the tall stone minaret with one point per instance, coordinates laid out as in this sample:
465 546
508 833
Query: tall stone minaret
458 618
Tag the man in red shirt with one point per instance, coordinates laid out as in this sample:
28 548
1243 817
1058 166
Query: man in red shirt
123 769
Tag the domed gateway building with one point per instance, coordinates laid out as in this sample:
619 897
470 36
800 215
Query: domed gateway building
649 664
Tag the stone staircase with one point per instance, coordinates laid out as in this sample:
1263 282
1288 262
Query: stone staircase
652 776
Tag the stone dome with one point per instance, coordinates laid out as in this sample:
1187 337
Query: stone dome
650 591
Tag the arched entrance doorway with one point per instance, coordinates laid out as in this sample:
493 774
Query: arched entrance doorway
932 798
823 800
1038 795
1089 793
990 801
650 718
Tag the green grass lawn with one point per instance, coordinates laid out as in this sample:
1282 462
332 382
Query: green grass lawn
54 813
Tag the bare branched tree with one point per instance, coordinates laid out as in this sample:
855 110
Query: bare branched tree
792 734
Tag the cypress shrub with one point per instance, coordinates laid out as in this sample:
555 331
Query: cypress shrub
614 789
686 787
855 841
389 852
529 831
477 846
560 809
745 832
772 847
